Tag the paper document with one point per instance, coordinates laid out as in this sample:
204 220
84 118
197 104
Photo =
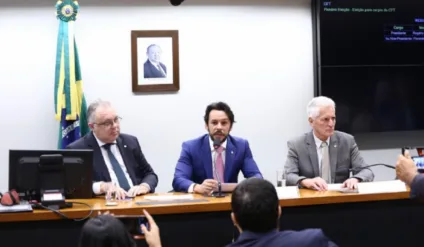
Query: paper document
169 197
15 208
338 187
287 192
382 187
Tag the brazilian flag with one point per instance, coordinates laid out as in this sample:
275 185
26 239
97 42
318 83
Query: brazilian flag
70 105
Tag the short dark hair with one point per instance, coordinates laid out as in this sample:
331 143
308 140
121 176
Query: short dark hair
105 231
255 205
219 106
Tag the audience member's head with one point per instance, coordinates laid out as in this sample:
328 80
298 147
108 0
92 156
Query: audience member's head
105 231
255 206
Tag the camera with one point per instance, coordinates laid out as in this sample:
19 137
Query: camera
417 155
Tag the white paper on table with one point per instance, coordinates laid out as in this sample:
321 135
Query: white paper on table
169 197
16 208
287 192
334 187
382 187
338 187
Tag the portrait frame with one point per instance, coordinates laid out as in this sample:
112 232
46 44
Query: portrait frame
164 75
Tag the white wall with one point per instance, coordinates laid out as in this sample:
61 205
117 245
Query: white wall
257 58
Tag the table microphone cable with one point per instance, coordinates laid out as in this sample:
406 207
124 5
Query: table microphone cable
37 205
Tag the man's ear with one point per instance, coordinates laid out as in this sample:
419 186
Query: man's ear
279 212
91 126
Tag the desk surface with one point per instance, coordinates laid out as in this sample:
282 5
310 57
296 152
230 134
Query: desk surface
307 197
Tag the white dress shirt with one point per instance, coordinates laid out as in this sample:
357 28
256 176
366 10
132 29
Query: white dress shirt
224 145
319 149
115 151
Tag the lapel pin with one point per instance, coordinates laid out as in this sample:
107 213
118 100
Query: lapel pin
125 146
335 145
232 152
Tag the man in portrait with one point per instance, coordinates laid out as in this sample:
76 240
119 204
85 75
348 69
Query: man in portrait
153 68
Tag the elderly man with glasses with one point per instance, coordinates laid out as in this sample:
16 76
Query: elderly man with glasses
119 164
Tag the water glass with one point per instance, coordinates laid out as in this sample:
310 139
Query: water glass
281 178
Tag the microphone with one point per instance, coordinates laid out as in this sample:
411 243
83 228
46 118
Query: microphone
176 2
216 145
357 169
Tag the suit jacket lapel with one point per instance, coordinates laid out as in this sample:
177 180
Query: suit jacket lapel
126 154
98 160
230 152
312 149
207 157
333 155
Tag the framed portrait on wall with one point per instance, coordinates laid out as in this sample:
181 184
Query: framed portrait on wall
155 60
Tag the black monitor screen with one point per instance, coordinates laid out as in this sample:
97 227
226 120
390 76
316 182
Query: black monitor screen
371 62
24 173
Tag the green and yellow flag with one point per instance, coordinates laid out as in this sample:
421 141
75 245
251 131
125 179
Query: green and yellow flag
70 105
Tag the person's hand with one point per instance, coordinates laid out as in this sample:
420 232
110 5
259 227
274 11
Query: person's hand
207 187
138 190
351 183
152 234
111 189
406 169
314 183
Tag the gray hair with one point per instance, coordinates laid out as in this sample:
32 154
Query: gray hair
315 105
93 107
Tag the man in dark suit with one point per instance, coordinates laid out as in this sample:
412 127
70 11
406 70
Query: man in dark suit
153 68
195 170
324 156
256 213
119 163
407 171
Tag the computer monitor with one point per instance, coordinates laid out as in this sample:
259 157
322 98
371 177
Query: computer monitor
25 175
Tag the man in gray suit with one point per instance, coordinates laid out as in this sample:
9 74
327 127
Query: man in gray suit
323 156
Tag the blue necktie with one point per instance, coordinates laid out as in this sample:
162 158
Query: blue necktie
123 182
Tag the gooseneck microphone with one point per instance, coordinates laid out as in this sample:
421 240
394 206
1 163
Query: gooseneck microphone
216 145
357 169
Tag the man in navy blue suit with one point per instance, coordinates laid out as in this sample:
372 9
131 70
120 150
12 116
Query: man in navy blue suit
195 171
256 213
119 164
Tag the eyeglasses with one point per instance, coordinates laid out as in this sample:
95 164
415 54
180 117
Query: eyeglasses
9 198
109 123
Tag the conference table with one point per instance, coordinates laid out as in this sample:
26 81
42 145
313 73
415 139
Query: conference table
381 219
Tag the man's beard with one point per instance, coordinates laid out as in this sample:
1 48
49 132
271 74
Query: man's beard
221 133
